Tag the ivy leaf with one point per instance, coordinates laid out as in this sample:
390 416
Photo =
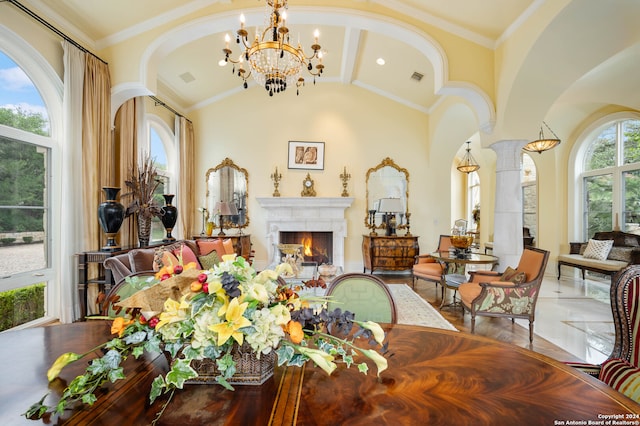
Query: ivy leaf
135 338
116 374
226 365
223 382
37 410
89 399
157 386
112 359
285 353
298 359
180 372
363 368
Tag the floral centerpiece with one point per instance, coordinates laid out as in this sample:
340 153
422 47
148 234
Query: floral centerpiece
198 315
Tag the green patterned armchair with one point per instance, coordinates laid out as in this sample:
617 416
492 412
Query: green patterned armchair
512 294
621 370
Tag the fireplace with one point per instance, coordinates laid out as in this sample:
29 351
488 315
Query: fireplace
317 246
316 215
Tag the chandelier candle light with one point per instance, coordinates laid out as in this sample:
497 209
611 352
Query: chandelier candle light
272 61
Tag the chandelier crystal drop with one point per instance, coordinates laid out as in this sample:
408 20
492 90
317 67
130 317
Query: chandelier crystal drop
273 62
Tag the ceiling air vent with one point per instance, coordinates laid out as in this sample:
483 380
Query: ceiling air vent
187 77
416 76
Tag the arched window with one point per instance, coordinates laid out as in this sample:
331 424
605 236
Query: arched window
473 198
611 177
25 198
529 180
161 147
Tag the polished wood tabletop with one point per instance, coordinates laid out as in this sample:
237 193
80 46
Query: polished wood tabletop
435 377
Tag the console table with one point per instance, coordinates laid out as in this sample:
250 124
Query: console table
389 253
435 376
103 279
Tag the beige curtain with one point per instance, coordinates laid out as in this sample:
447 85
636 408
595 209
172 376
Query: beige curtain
126 149
186 191
98 153
97 157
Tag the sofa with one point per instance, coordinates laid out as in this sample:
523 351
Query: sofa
204 251
624 251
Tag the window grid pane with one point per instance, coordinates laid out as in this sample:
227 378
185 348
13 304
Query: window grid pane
602 151
631 212
598 204
631 141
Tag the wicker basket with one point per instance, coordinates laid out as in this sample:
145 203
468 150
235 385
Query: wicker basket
249 369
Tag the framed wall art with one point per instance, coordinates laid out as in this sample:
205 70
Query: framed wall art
306 155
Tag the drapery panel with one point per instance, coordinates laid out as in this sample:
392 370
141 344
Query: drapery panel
98 156
72 220
126 148
186 179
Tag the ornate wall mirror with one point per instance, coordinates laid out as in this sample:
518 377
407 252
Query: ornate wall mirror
227 182
387 197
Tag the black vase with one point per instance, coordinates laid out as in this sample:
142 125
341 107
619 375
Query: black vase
169 217
111 215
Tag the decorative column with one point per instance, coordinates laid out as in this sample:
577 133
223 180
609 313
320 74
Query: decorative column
507 227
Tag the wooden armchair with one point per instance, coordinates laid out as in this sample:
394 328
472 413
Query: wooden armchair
621 370
426 268
490 294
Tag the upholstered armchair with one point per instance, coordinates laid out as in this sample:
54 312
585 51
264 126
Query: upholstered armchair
621 370
512 294
426 268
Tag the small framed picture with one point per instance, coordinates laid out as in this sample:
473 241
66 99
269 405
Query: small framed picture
306 155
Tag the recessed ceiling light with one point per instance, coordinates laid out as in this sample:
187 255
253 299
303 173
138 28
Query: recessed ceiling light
380 61
187 77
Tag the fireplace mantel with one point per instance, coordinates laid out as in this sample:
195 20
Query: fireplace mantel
307 214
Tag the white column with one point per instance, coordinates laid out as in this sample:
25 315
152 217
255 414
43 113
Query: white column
507 227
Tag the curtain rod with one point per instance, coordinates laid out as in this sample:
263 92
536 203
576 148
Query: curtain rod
159 102
78 45
52 28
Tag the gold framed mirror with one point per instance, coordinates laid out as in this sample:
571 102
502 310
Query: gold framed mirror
229 183
387 187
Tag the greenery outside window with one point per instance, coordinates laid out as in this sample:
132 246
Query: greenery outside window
611 178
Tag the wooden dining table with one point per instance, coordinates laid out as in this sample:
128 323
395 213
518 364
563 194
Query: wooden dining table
435 377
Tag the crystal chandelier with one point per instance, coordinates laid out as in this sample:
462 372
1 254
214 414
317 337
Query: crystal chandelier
271 60
468 164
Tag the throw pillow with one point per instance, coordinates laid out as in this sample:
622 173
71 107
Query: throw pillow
514 276
622 376
162 258
228 246
210 260
207 246
187 255
598 249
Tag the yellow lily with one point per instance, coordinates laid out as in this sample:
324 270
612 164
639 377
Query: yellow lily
173 312
62 361
374 327
319 358
228 257
119 324
234 322
381 362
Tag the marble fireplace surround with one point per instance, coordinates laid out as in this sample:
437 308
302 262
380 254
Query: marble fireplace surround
307 214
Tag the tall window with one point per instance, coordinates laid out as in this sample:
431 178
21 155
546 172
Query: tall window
161 149
473 197
611 178
25 152
529 181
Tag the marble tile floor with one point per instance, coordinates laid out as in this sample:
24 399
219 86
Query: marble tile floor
573 318
576 316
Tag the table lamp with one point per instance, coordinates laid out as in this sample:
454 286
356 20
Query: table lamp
390 206
224 208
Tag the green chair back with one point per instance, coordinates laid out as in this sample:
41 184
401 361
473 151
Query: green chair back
367 296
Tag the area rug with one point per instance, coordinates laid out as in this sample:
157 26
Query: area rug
414 310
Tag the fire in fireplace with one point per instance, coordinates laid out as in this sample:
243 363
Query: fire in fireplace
317 246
